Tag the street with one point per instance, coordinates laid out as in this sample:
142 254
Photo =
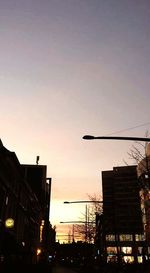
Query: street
61 269
36 269
108 268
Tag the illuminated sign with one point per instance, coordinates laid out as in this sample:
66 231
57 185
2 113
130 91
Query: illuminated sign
9 223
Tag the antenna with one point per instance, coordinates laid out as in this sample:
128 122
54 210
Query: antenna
37 159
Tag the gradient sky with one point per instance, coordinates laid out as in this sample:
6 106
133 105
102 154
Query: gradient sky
70 68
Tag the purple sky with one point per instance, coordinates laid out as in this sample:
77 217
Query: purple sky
70 68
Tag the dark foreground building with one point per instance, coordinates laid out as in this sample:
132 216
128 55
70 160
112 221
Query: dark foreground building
121 224
23 213
36 175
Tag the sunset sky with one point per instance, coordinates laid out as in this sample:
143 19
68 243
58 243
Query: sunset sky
70 68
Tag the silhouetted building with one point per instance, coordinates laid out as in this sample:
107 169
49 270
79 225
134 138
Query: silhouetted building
121 201
24 208
19 209
36 175
122 225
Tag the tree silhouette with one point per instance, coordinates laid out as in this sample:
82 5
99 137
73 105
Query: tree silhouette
87 230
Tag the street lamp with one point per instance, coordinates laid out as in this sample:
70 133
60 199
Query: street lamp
89 137
76 222
72 222
82 201
86 213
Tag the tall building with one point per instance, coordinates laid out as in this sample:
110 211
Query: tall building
19 210
36 176
122 215
24 208
121 201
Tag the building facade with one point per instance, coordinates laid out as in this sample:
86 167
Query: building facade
24 207
18 206
36 176
123 233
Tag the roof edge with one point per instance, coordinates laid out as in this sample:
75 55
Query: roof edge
1 143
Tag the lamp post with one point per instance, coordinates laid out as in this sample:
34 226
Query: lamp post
86 214
89 137
75 222
82 201
71 222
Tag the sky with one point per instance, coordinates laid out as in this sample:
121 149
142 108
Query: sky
70 68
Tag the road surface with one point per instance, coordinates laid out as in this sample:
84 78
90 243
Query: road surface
61 269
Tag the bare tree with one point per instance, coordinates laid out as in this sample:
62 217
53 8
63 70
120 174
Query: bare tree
88 229
139 153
